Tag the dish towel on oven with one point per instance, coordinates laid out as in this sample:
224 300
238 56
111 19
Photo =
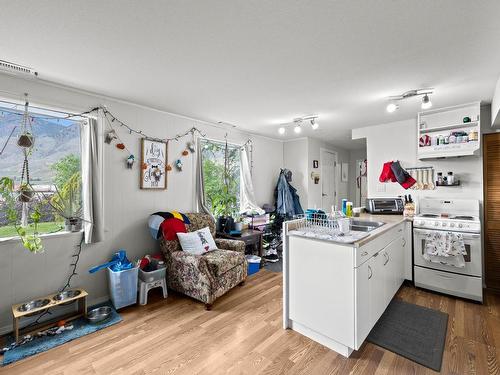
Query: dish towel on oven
446 248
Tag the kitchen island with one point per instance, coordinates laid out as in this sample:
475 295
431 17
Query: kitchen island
335 292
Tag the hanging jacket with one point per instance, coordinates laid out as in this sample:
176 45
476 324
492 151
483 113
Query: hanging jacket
287 200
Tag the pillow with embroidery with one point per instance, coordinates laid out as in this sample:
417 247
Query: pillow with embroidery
197 242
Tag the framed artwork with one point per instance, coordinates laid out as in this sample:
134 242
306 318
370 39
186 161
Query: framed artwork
153 164
344 172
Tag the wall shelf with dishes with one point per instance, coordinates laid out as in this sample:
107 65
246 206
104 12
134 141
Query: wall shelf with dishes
449 132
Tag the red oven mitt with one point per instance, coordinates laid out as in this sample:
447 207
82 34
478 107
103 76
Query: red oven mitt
387 173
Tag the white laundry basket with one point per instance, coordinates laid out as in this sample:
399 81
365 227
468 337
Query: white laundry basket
123 287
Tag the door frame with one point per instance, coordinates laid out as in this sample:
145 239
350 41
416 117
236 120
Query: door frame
335 172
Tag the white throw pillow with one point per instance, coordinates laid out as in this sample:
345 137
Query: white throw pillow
198 242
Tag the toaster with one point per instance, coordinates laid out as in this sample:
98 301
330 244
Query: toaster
385 206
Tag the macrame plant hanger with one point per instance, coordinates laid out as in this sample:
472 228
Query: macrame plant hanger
25 142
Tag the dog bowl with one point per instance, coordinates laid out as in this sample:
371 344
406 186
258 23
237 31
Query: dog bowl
32 305
67 295
99 314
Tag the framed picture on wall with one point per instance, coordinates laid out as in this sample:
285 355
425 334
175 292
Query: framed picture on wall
344 172
153 164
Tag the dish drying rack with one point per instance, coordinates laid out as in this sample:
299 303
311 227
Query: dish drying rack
319 223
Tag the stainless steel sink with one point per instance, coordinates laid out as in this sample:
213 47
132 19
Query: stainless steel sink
365 225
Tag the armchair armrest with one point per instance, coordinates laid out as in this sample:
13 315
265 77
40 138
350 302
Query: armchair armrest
186 267
234 245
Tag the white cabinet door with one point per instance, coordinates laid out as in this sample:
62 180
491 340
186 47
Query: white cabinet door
363 275
378 287
394 264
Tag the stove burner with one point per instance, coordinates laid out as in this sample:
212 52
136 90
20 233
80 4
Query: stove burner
428 215
463 218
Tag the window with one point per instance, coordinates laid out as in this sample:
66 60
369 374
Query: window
54 167
221 177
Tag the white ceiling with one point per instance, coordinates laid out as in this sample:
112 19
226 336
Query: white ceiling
259 63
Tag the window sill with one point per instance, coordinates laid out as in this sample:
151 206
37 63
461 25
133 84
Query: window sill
43 236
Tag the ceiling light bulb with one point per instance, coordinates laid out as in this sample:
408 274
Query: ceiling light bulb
426 102
297 129
281 130
314 124
391 107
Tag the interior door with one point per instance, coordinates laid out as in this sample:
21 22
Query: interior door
491 166
328 193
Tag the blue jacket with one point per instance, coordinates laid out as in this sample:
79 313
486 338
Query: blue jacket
287 200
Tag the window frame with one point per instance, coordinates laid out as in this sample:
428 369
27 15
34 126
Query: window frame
45 111
222 143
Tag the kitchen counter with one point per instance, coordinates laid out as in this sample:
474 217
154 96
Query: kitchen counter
390 222
334 292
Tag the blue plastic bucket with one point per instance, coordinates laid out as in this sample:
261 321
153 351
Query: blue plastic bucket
253 264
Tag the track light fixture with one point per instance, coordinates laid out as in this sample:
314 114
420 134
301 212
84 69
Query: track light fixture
426 101
313 120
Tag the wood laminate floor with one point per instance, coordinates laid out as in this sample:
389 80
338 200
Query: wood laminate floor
243 335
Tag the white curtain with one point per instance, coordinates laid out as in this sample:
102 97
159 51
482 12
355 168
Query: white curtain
92 180
247 197
201 205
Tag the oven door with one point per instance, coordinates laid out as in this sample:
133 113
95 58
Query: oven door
472 241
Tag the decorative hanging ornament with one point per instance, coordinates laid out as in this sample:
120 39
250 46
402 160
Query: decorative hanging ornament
185 153
110 136
169 167
144 166
191 146
120 146
178 164
130 161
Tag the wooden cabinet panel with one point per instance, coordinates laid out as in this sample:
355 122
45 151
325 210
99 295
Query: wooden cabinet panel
491 175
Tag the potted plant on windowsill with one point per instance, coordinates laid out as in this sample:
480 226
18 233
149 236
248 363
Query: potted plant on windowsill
67 203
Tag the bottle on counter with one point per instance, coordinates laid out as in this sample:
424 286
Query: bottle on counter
440 178
450 178
348 212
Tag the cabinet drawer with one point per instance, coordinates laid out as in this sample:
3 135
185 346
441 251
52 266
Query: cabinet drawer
366 251
446 282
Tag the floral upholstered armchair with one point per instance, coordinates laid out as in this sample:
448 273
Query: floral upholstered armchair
208 276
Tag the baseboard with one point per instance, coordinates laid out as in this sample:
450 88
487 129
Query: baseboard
4 330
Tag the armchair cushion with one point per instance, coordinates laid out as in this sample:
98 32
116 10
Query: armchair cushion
221 261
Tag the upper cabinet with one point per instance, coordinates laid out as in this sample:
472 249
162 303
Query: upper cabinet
449 132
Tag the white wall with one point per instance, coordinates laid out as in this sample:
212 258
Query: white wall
397 141
298 156
295 159
495 106
24 276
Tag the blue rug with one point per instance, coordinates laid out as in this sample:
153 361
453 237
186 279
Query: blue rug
81 327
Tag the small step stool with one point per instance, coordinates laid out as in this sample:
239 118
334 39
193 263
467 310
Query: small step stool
145 287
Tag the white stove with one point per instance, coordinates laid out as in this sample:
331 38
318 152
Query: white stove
454 217
456 223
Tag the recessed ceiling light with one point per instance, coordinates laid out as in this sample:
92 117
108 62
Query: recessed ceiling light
297 129
391 107
281 130
314 124
426 102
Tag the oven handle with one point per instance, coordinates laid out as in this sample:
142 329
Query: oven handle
465 235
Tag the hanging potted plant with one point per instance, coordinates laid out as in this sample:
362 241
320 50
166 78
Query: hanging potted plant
32 242
26 193
26 140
